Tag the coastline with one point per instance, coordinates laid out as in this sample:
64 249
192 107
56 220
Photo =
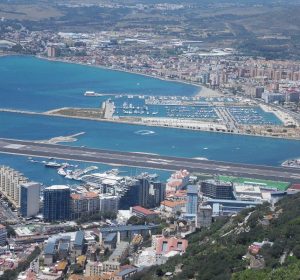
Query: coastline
202 90
200 87
140 124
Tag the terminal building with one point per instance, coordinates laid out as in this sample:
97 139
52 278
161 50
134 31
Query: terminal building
217 189
222 207
56 203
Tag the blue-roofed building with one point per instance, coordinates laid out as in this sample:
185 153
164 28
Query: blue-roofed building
79 239
78 245
192 200
49 252
126 273
110 241
127 232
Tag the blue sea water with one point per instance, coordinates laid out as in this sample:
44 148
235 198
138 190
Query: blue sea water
49 176
33 84
164 141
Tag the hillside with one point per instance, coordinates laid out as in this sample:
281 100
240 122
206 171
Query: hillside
221 253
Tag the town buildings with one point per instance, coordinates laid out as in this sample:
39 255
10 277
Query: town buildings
10 182
3 235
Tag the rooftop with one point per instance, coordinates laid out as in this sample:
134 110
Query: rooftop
172 204
127 228
28 185
218 183
58 187
63 246
50 248
192 189
110 237
127 271
143 210
79 237
295 187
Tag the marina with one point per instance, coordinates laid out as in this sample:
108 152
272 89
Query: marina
196 108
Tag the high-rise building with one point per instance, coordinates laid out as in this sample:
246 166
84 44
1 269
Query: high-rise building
84 204
56 203
30 199
192 199
10 181
3 235
131 197
109 203
143 193
156 194
217 189
51 51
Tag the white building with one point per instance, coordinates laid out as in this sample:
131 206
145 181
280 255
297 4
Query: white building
30 199
93 269
10 181
109 203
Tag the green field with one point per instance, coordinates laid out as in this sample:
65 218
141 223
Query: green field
267 183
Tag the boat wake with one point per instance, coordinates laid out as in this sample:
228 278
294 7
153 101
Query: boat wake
144 132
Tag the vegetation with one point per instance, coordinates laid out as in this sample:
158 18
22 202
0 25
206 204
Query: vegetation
221 251
134 220
96 217
288 272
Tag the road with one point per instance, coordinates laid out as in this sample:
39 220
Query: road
35 149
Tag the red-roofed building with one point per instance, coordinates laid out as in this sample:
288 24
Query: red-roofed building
178 195
164 245
172 206
86 203
142 212
295 187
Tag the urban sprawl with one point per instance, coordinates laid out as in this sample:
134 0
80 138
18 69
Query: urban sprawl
110 226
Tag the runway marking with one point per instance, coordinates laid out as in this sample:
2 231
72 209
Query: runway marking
14 146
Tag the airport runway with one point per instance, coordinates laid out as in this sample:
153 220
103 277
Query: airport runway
144 160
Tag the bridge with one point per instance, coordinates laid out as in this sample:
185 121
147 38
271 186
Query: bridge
144 160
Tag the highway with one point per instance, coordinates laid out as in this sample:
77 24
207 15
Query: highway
144 160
